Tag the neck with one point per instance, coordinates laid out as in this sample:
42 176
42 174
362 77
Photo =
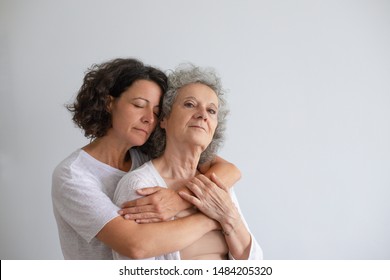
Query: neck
177 164
109 152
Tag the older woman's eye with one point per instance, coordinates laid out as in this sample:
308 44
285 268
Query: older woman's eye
212 111
189 105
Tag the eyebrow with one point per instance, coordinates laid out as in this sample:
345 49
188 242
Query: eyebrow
194 98
135 98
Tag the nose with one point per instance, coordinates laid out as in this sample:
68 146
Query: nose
201 113
148 116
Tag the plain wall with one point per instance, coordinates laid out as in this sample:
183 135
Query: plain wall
309 91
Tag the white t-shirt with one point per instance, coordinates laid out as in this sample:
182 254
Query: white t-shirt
82 192
147 176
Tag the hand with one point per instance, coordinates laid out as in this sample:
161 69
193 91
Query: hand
158 204
213 199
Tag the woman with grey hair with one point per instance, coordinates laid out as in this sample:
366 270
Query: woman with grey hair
192 124
186 74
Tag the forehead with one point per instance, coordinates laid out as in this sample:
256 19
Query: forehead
142 86
198 91
144 89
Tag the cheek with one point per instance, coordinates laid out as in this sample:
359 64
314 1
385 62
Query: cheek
214 125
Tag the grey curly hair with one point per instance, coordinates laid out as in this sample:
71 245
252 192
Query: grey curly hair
183 75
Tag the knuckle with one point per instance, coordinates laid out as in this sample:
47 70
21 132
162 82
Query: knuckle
165 218
159 208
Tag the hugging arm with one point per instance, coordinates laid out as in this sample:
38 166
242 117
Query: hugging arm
225 170
140 241
161 204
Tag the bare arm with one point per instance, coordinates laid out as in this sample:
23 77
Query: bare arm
225 170
161 204
139 241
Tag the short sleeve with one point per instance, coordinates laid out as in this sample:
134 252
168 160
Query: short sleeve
127 188
82 204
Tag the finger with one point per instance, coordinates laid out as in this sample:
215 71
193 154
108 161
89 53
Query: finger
195 186
205 181
143 200
148 191
137 202
140 216
218 182
137 209
133 203
191 199
148 221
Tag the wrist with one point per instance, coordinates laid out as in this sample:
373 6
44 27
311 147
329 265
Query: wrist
209 223
230 223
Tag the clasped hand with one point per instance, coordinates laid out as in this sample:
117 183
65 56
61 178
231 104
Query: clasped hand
210 197
158 204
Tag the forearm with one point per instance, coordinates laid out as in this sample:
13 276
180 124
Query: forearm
162 238
237 236
139 241
226 171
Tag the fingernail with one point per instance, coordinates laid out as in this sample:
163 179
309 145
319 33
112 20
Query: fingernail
120 212
127 217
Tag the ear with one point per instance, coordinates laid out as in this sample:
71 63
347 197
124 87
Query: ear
110 101
163 123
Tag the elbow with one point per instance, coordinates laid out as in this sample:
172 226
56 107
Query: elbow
135 251
139 248
138 255
237 172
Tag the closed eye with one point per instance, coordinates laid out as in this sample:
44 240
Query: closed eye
138 103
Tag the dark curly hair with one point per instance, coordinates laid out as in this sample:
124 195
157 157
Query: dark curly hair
111 78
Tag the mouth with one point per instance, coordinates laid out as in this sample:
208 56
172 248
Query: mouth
142 130
198 127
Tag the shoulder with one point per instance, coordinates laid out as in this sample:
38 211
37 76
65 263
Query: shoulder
74 174
139 176
143 177
77 166
66 170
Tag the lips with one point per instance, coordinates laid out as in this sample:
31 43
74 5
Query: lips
198 126
142 130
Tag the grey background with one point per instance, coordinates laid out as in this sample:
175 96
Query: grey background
309 93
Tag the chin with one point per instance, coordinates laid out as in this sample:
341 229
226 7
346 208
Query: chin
137 142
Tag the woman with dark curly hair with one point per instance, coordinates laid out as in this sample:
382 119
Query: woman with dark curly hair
117 107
